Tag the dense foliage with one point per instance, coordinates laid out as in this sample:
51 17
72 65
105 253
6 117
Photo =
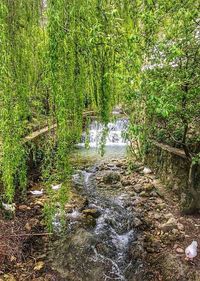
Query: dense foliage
166 101
61 57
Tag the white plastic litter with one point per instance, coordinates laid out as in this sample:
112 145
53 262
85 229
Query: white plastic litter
56 187
37 192
191 250
9 207
147 171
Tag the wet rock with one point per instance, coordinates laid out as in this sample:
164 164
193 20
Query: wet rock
111 177
92 212
136 222
72 258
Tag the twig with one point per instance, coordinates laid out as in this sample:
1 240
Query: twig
28 234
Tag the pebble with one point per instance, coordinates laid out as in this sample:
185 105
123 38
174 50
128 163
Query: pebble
24 208
180 227
146 171
39 266
179 250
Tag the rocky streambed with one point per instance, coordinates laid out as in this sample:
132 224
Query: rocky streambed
101 230
121 226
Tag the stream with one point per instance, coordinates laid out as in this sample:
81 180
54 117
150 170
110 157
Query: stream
100 237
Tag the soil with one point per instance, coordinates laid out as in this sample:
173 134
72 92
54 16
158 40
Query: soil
24 242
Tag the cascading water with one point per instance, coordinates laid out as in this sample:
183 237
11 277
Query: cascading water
115 143
115 135
100 233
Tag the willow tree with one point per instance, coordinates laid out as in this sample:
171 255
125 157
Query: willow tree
56 60
18 21
82 56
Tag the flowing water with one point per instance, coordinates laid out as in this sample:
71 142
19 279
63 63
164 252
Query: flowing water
115 144
98 247
115 135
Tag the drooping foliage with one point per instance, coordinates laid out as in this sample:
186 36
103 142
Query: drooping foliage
59 58
62 57
18 21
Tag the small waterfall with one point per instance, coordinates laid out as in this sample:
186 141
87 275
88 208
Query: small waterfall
100 233
115 134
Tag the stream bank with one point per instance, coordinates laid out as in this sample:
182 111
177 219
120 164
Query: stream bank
154 240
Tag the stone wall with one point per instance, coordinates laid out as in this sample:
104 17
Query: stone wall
172 169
